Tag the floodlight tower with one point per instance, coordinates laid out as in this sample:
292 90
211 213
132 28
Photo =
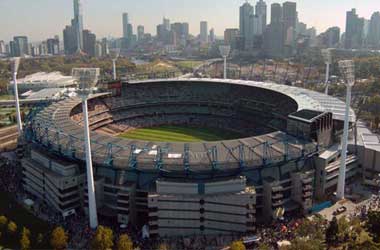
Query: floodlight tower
326 53
224 52
86 79
15 65
115 53
347 68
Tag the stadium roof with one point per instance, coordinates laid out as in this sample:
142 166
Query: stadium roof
306 99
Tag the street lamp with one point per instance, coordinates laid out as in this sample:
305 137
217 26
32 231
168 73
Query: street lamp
15 64
114 53
224 52
347 68
326 53
86 79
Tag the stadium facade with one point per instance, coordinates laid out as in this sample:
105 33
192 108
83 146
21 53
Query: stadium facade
287 156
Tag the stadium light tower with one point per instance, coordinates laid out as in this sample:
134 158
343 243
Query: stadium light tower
15 65
115 53
86 79
224 51
326 53
347 68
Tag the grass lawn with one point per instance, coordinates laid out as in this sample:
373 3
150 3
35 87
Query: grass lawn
179 134
188 64
23 218
6 97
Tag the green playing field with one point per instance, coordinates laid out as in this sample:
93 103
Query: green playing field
179 134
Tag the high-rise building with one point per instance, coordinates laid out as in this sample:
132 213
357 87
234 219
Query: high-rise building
52 46
354 30
374 31
212 35
246 24
125 25
105 50
21 46
78 24
166 23
2 47
330 38
140 33
230 37
261 12
276 13
89 43
289 18
69 39
203 32
274 33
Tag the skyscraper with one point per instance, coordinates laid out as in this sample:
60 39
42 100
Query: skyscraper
140 33
2 47
52 46
89 43
125 25
261 12
246 24
21 46
203 32
354 30
273 35
78 24
69 39
212 36
374 31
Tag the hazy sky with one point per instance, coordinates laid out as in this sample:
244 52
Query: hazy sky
39 19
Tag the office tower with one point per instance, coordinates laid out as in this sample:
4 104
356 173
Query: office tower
273 35
98 49
261 12
69 39
89 43
203 32
140 33
52 46
374 31
21 46
212 36
2 47
43 49
105 50
125 25
276 13
246 24
166 23
230 37
354 30
78 24
185 30
289 15
332 37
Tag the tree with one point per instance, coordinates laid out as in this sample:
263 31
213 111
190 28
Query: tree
103 239
163 246
264 246
25 241
124 243
59 239
305 244
373 225
332 232
3 221
12 227
344 229
237 245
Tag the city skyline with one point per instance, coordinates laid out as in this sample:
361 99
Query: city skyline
40 25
